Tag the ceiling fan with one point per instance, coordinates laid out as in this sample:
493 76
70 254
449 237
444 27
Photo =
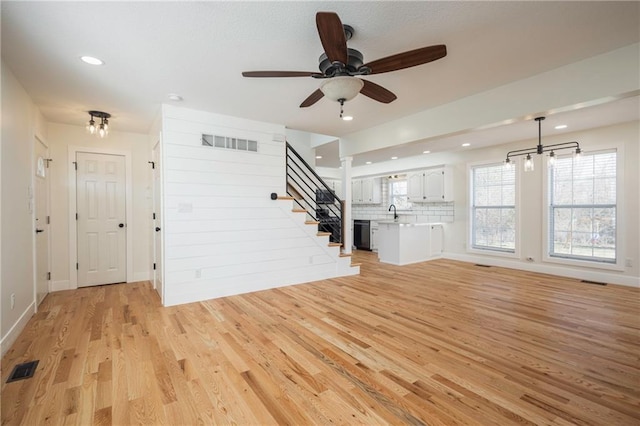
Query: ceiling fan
340 66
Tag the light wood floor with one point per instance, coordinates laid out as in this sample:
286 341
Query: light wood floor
441 342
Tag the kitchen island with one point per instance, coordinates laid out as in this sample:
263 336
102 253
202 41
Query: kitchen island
402 243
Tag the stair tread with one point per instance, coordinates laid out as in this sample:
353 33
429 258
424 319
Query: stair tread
323 234
299 210
356 264
284 197
311 222
334 244
345 254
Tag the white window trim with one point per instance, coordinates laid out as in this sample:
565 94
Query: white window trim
489 252
620 213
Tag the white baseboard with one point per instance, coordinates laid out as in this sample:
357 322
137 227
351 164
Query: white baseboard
60 285
559 270
141 276
13 333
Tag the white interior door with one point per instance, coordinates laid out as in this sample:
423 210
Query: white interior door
101 213
42 220
157 223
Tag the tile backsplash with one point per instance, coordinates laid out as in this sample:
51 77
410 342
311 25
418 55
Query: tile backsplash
420 212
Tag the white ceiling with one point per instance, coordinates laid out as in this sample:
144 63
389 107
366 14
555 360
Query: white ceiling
199 49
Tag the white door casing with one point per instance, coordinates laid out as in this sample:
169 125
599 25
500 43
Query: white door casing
101 219
158 281
42 235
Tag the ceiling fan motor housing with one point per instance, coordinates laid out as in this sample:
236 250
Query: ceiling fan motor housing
355 61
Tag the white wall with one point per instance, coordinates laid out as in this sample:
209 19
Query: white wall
223 234
301 142
531 237
61 138
21 121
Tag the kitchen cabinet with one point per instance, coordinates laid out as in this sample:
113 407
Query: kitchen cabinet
402 243
366 191
430 185
436 240
374 236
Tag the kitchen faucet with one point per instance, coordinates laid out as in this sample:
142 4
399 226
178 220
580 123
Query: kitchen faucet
395 215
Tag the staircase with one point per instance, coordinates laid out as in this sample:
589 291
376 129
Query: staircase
331 251
312 197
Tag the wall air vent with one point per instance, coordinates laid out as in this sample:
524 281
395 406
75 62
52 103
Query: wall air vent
227 142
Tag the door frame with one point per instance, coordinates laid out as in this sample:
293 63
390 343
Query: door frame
33 200
158 238
73 229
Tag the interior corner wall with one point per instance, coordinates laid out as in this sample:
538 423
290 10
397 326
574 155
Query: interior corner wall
21 120
61 138
223 234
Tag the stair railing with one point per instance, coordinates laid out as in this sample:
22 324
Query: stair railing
311 193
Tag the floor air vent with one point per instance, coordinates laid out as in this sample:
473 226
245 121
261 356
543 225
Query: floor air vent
23 371
592 282
482 266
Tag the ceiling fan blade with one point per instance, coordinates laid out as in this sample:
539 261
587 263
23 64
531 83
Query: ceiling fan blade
332 36
377 92
312 99
407 59
279 74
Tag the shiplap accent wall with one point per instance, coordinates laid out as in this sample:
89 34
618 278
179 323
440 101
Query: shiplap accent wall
223 234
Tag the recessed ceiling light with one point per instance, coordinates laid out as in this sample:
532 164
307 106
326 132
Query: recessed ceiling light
368 162
347 118
560 126
174 97
394 158
466 144
426 152
318 157
91 60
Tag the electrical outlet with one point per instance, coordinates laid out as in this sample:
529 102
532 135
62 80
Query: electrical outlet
628 263
530 259
13 300
198 273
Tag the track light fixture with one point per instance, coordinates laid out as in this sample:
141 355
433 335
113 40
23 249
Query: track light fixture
540 149
101 129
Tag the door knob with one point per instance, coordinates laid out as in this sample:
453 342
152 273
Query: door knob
39 230
157 228
121 225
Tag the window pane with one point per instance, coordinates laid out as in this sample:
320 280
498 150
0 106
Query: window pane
398 194
583 208
493 209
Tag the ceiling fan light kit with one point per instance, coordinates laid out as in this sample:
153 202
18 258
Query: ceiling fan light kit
342 66
341 88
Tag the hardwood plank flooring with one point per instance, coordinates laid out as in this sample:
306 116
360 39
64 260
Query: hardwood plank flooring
438 343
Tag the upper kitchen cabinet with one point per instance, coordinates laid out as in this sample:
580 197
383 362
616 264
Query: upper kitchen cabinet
430 185
366 191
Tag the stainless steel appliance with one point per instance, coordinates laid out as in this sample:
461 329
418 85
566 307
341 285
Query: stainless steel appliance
362 234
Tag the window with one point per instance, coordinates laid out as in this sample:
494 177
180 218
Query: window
398 194
493 205
582 207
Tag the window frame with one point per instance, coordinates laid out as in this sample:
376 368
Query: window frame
390 182
515 254
619 219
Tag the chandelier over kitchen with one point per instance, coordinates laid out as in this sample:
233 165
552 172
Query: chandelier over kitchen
101 129
539 149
